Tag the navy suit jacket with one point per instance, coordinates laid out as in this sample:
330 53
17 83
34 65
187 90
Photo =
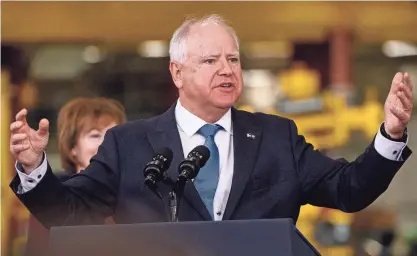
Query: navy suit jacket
275 172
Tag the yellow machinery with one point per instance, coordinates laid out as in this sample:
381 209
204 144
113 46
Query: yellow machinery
329 127
14 215
332 127
5 162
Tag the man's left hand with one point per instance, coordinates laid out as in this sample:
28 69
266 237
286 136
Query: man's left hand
398 105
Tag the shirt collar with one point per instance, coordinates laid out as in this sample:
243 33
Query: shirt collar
191 123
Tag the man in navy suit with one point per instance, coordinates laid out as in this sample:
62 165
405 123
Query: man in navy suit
259 167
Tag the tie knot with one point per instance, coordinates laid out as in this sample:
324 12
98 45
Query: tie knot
209 130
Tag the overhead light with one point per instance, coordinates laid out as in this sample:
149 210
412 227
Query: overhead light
260 92
372 247
394 49
92 54
58 62
257 78
153 49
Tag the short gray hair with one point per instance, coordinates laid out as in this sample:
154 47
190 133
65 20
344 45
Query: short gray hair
178 44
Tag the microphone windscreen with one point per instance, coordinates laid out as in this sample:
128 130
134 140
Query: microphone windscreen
167 153
203 152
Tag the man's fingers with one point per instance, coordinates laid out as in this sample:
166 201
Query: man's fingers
16 149
407 80
17 138
400 114
396 81
43 128
21 116
404 101
406 90
16 126
397 78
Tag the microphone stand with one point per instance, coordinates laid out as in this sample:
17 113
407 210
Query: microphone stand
173 202
174 197
173 206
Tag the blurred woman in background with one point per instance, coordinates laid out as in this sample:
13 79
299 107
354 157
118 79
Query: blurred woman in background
82 124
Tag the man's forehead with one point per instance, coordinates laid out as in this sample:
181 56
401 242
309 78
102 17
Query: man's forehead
203 40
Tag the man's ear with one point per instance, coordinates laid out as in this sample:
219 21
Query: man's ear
176 72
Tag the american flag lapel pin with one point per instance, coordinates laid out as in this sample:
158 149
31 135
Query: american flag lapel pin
250 135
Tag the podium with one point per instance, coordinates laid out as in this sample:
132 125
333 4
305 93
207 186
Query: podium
206 238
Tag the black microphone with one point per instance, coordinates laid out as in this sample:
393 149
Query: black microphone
189 168
154 171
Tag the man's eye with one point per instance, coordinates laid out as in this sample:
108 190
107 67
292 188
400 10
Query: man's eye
234 60
210 61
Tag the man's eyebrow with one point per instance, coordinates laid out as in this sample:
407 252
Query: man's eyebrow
204 56
233 54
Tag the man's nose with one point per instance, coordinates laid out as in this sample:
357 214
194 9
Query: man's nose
225 68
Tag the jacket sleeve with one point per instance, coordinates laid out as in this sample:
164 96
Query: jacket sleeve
85 198
339 184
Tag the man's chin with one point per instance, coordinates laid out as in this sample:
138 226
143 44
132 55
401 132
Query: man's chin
225 102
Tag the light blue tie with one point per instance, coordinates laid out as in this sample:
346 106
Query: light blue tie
208 177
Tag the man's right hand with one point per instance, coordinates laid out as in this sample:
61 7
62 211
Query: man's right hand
26 144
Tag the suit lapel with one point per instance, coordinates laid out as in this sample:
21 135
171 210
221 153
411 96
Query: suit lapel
246 140
166 134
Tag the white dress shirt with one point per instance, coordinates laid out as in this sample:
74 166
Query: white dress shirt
188 125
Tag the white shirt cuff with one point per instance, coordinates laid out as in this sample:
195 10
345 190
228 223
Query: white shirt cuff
28 182
389 149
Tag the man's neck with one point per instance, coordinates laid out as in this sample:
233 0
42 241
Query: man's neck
210 115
